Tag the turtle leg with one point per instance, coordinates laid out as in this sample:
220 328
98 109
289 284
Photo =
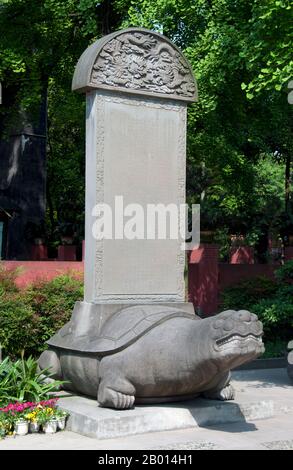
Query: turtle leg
226 393
49 360
116 392
223 391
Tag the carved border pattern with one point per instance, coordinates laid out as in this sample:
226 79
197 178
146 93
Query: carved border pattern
101 99
99 258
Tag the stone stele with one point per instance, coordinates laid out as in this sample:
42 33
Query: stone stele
133 338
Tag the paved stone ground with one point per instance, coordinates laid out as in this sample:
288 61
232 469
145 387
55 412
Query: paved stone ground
267 434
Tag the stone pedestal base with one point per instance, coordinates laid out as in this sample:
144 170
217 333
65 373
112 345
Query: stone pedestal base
150 353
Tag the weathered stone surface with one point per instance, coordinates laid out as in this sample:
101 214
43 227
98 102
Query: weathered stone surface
135 149
134 340
117 327
88 419
138 84
159 364
136 61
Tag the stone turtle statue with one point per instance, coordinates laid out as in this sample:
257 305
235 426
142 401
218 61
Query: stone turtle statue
152 354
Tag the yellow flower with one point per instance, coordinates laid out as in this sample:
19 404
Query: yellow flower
31 416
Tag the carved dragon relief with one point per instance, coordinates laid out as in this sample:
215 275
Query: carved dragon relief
141 61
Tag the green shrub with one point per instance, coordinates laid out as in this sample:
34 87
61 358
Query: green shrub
276 348
271 301
276 315
52 304
28 318
17 325
285 292
20 381
285 273
7 280
247 293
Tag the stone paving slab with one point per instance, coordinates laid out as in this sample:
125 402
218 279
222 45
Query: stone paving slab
275 432
88 419
279 445
260 394
191 445
269 384
268 434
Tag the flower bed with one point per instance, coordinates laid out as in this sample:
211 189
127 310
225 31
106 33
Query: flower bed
21 418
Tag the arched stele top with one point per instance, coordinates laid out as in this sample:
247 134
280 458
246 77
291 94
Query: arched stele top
136 61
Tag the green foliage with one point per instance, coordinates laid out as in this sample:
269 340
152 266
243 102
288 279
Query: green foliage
18 325
29 318
285 273
239 132
276 315
222 239
268 50
247 293
236 146
20 381
7 280
275 348
271 301
52 303
5 425
40 44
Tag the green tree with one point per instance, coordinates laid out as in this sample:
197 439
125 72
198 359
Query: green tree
242 123
240 129
40 44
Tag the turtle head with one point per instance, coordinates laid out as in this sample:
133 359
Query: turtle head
235 338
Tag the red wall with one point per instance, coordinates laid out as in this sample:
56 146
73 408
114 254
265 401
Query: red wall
36 270
230 274
207 277
203 274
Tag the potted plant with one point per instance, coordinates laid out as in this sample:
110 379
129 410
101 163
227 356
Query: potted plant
61 416
47 419
15 419
6 427
21 426
50 427
32 418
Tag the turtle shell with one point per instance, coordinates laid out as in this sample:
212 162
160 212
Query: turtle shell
119 331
